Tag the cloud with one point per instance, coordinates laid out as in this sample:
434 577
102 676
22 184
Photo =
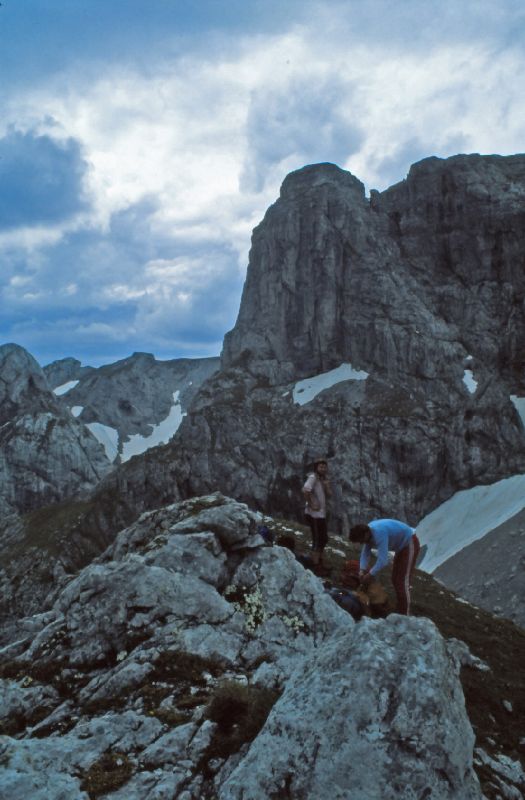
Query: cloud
124 286
168 161
300 120
41 179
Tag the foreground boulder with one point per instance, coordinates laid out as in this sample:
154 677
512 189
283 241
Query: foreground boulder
376 713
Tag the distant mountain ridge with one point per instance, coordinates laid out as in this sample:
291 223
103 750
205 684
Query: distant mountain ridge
126 403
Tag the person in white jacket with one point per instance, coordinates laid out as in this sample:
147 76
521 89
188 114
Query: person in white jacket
316 490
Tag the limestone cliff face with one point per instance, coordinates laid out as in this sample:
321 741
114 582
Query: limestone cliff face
422 287
405 285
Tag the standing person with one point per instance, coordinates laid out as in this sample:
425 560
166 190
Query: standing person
385 535
316 490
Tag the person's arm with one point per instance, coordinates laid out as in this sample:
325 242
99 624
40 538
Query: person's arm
308 493
382 555
366 552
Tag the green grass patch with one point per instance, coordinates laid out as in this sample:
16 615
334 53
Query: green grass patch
44 528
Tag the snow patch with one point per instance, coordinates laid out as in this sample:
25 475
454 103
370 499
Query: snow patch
468 380
64 388
77 410
519 405
304 391
161 433
468 516
108 437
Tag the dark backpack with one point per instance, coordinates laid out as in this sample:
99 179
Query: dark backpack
349 601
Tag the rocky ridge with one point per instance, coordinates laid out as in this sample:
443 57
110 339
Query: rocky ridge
64 370
127 685
125 403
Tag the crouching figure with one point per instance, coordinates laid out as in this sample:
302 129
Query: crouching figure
388 535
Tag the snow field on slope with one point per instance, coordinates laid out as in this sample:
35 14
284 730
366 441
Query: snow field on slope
468 516
161 433
304 391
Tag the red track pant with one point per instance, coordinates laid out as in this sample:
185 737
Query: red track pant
404 563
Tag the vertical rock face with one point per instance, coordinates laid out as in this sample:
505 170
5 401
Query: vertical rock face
295 316
407 284
45 454
460 223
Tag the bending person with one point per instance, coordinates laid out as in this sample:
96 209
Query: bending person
385 535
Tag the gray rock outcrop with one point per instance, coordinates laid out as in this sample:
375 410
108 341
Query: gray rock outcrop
64 370
45 454
395 732
122 672
23 385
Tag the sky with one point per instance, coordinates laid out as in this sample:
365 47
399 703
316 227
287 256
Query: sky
141 142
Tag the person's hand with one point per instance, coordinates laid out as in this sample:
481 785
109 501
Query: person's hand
314 506
366 579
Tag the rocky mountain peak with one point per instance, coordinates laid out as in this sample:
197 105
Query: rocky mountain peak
313 176
64 370
23 384
428 272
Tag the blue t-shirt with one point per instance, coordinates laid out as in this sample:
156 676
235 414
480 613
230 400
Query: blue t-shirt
387 534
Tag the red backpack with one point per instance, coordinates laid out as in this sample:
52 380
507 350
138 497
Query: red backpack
350 574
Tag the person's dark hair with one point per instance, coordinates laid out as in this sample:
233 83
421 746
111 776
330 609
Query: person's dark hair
358 533
319 461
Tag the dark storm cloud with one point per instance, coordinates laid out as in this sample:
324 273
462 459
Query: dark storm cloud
395 167
298 120
128 288
40 180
